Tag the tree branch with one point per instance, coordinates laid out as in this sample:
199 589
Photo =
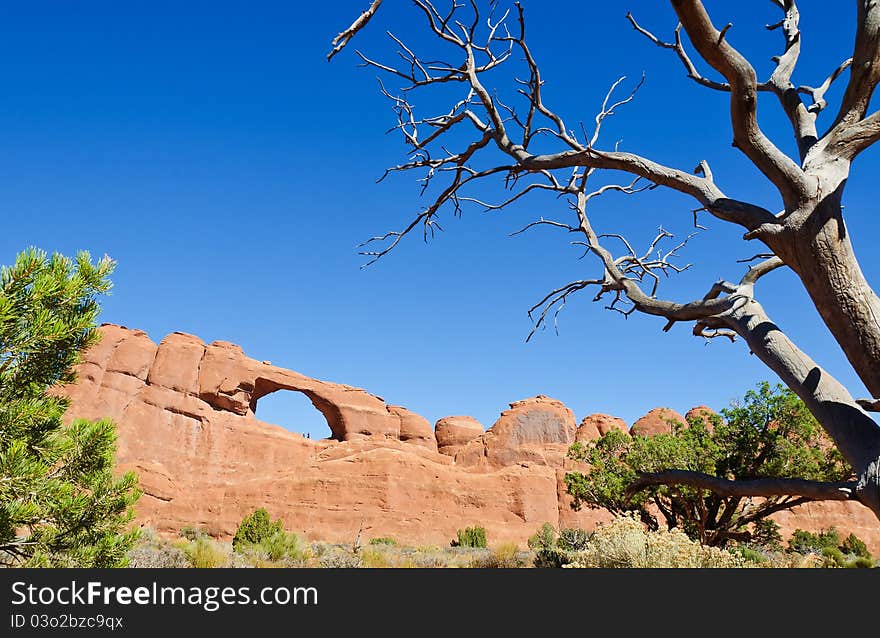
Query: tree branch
865 68
712 45
345 36
765 487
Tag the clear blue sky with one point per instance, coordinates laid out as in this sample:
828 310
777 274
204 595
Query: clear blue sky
211 149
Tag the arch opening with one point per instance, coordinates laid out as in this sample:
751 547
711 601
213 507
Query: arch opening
293 411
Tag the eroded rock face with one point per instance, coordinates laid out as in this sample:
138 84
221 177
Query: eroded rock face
596 426
455 432
656 422
702 412
185 413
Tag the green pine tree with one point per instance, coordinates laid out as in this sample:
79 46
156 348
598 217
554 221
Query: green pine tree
60 504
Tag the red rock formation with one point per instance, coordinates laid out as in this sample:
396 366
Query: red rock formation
455 432
185 413
595 426
656 422
702 412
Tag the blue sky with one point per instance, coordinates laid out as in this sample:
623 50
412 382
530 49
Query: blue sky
212 151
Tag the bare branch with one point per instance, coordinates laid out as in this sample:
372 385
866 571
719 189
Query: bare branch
680 51
345 36
765 487
864 70
785 174
818 93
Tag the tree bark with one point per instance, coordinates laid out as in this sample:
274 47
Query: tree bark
822 256
854 432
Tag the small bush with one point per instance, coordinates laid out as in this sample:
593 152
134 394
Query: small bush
506 556
833 556
373 558
339 558
155 554
804 542
282 545
549 558
861 562
383 540
544 538
191 533
470 537
205 554
626 543
855 546
766 536
255 528
748 553
573 539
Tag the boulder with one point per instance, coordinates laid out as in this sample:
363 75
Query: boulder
595 426
656 422
455 432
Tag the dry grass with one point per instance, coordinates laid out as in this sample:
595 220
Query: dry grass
622 543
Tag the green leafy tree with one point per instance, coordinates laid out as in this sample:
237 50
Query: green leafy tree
544 538
60 504
470 537
256 528
770 434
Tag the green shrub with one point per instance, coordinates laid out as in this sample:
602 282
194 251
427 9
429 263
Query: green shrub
205 554
544 538
833 556
862 562
191 533
505 556
626 543
383 540
282 545
255 528
749 553
804 542
550 557
765 535
854 545
573 539
470 537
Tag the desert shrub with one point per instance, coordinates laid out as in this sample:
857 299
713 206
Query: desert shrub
862 562
152 552
766 536
470 537
255 528
749 554
626 543
203 553
544 538
573 539
551 557
505 556
373 558
804 542
855 546
191 533
282 545
383 540
339 558
833 556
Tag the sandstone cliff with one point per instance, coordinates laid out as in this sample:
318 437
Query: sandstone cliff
186 421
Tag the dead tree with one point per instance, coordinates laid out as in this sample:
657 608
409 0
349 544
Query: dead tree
808 235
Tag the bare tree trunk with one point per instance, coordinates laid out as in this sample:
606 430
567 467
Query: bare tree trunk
816 245
854 432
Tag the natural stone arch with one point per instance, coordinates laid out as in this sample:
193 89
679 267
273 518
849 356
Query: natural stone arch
332 414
